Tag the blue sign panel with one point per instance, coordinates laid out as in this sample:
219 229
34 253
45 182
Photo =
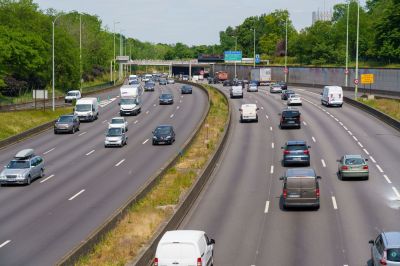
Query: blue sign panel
257 59
232 56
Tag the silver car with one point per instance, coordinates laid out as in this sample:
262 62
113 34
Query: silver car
23 169
385 249
115 136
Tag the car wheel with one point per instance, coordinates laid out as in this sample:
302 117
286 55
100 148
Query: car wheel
41 173
154 143
29 180
73 130
55 132
317 207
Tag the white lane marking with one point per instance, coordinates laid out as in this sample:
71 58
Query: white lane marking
46 152
270 128
379 168
359 144
340 123
262 108
266 206
171 116
350 132
334 203
272 145
328 113
332 116
104 121
5 243
83 133
313 139
323 163
304 122
272 169
87 154
180 101
267 116
181 96
372 159
76 195
345 128
136 122
177 107
47 178
396 192
144 142
147 112
154 105
387 179
354 137
120 162
337 120
366 151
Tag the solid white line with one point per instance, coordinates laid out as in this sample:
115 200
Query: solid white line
313 139
49 151
272 169
345 128
76 195
396 192
5 243
379 168
83 133
171 115
272 145
136 122
266 207
359 144
372 159
304 122
120 162
144 142
334 203
270 128
354 137
47 178
266 116
87 154
323 163
387 179
366 151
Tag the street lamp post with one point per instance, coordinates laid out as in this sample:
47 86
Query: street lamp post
115 22
347 47
235 51
286 43
358 33
254 47
53 83
80 51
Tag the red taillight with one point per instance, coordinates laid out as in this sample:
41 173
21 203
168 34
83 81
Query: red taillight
365 167
317 192
155 262
284 193
383 260
306 152
286 152
199 262
344 167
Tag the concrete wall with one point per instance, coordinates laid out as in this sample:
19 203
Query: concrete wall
385 79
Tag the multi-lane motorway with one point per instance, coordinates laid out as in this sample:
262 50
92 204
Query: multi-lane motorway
85 183
241 205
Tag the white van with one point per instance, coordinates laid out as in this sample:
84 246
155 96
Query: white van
87 109
185 248
236 91
130 105
332 96
130 91
248 112
72 95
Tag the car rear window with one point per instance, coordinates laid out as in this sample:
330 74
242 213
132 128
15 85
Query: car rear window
177 250
291 114
354 161
393 254
296 147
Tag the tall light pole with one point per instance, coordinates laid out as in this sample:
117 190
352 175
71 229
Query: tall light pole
80 51
347 47
120 53
115 22
254 47
235 51
358 33
286 43
53 96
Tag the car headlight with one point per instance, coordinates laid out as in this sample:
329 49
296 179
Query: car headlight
154 137
21 176
168 137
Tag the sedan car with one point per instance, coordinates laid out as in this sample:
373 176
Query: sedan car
294 99
149 86
353 166
115 137
296 152
282 84
162 81
385 249
66 123
285 94
185 77
227 82
163 134
186 89
118 122
252 87
23 169
276 88
166 98
171 81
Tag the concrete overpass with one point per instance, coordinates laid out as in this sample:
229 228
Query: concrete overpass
176 67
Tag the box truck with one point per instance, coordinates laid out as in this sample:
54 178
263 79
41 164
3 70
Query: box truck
261 75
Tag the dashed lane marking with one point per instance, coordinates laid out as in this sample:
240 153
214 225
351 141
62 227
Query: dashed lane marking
83 133
314 139
272 145
372 159
136 122
47 178
46 152
171 116
387 179
334 203
144 142
272 169
323 163
359 144
5 243
396 192
87 154
366 151
76 195
379 168
266 207
120 162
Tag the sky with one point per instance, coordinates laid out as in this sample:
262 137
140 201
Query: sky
192 22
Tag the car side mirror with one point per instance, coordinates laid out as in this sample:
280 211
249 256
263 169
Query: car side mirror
281 178
119 103
366 160
309 147
318 177
258 108
212 242
321 93
280 114
371 242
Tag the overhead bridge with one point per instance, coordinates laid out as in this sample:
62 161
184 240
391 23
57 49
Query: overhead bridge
176 67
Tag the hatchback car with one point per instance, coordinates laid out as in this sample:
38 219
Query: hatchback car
294 99
23 169
353 166
166 98
118 122
300 188
290 118
163 134
171 81
115 137
186 89
252 87
275 88
385 250
149 86
67 123
162 81
296 152
286 93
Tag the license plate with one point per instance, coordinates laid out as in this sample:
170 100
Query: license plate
161 142
296 159
291 122
294 196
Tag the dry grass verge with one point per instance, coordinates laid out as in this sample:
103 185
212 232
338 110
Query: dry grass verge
390 107
123 243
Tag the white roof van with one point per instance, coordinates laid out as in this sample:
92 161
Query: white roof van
185 248
332 96
248 112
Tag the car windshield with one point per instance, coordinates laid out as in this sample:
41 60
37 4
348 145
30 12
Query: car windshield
65 119
113 132
186 87
354 161
294 96
128 101
83 107
17 164
117 121
162 130
72 93
149 84
393 254
276 86
166 96
291 114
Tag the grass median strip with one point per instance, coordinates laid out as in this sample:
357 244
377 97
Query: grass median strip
15 122
390 107
123 243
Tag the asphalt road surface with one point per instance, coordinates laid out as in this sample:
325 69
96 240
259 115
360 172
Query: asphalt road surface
84 182
241 205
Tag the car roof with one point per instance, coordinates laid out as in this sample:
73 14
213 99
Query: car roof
182 236
74 91
392 239
167 93
67 115
296 142
300 172
24 154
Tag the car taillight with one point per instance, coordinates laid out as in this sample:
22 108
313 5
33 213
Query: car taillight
317 192
155 263
344 167
199 262
306 152
284 193
286 152
365 167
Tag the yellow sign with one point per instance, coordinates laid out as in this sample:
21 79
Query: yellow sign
367 78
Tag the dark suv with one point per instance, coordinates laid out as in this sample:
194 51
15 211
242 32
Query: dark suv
285 94
163 134
296 152
186 89
290 117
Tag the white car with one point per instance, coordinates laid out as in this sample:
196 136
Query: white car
294 99
171 81
118 122
185 247
248 112
275 88
252 87
72 95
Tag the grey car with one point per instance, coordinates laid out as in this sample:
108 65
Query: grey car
166 98
385 249
296 152
23 169
353 166
300 188
66 123
115 136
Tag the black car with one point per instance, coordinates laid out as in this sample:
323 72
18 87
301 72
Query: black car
186 89
283 85
290 118
296 152
166 98
212 80
163 134
149 86
227 83
134 82
67 123
239 83
162 81
285 94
